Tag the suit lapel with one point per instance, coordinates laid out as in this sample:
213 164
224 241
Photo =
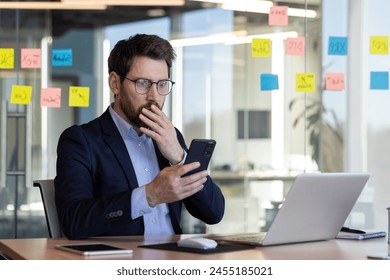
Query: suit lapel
114 140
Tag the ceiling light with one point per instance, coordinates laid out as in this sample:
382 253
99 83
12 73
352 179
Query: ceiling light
84 4
156 12
258 6
42 5
130 2
230 38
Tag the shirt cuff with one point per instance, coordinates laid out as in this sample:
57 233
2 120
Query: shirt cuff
182 161
139 203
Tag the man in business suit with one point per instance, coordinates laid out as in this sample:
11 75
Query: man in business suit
121 173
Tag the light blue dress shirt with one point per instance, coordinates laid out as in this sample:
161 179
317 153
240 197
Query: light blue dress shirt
143 157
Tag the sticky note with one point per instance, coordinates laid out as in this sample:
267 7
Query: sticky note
261 47
338 46
51 97
379 44
334 81
269 82
21 94
30 58
62 57
305 82
278 15
295 46
7 58
78 96
379 80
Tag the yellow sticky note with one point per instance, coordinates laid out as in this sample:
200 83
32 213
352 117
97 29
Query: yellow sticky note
7 58
379 45
78 96
21 94
261 47
305 82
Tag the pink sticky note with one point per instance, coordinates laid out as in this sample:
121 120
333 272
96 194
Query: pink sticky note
278 15
30 58
295 46
334 81
51 97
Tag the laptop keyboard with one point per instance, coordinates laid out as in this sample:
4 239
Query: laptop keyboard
255 237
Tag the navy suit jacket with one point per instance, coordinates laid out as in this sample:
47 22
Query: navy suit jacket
95 179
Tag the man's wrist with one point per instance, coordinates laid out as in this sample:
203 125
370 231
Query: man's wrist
149 198
182 159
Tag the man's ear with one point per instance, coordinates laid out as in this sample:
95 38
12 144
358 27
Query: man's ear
114 81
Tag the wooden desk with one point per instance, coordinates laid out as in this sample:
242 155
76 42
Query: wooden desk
44 249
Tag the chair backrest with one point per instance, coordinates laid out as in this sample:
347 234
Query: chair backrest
46 188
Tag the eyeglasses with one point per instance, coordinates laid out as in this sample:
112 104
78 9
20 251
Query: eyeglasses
142 86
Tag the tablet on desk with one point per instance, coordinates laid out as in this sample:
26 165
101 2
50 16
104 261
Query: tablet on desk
94 249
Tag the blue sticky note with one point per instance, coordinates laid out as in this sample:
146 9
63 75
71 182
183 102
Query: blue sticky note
269 82
62 57
379 80
338 46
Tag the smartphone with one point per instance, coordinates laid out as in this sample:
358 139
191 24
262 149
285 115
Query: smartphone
200 150
94 249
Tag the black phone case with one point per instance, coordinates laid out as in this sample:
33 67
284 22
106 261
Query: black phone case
200 150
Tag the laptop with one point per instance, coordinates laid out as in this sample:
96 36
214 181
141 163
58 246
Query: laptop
314 209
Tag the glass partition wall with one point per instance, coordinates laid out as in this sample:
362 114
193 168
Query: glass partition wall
270 120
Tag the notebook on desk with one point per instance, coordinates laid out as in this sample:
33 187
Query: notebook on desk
314 209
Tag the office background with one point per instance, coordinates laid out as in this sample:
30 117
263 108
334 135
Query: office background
264 137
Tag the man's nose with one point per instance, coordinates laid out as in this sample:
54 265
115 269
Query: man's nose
153 93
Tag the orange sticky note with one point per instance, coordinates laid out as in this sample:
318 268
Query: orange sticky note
78 96
261 47
305 82
334 81
379 44
7 58
21 94
278 16
51 97
295 46
30 58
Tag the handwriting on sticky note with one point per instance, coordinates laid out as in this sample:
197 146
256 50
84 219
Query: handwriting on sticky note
30 58
269 82
51 97
21 94
7 58
295 46
305 82
379 44
278 15
261 47
379 80
334 81
62 57
338 46
78 96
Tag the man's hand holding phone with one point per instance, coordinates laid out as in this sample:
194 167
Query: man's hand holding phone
178 182
170 186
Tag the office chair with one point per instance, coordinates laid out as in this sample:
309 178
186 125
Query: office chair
46 188
3 256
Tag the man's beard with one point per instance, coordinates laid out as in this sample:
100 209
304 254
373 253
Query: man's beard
133 115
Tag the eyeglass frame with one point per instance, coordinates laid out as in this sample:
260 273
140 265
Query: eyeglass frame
151 84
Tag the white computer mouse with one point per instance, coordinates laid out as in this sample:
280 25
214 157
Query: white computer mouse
197 243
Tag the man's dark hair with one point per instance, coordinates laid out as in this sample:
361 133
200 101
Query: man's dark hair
122 55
